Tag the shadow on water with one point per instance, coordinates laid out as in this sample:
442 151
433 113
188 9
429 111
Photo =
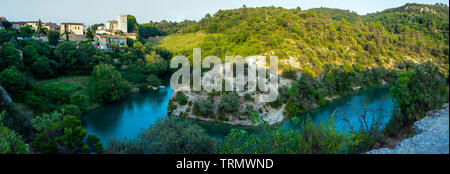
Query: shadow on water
351 107
136 112
128 117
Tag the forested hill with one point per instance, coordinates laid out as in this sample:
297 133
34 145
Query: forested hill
431 20
338 14
315 37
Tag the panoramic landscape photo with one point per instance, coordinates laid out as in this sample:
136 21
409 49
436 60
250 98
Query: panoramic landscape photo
224 77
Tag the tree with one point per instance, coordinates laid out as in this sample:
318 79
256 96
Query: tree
203 107
40 122
132 24
107 84
312 139
6 24
148 30
30 55
229 103
66 136
39 29
26 31
9 56
53 37
10 141
168 136
180 97
153 80
417 92
135 74
66 57
41 68
6 35
89 34
84 63
82 101
14 82
72 110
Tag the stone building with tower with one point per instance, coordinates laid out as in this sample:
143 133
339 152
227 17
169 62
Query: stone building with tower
123 24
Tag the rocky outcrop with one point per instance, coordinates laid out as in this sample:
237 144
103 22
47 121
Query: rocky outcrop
431 136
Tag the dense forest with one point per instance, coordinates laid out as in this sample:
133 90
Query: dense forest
47 86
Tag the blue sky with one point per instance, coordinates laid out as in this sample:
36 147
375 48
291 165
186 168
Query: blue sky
98 11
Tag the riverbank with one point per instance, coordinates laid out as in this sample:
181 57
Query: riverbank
272 116
431 136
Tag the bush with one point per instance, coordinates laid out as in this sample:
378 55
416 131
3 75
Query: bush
82 101
41 68
417 92
107 84
11 142
248 97
203 107
14 82
153 80
9 56
229 103
168 136
66 136
72 110
180 97
312 139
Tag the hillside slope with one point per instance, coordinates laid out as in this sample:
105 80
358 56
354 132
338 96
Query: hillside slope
314 39
431 20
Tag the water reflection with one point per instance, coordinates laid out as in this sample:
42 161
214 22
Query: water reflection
129 116
136 112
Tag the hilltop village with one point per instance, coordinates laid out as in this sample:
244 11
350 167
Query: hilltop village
102 35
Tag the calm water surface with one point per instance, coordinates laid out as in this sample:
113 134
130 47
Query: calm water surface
130 116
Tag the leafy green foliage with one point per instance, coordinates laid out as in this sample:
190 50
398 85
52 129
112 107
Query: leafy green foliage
10 141
107 84
66 136
312 139
30 55
9 56
431 20
229 103
148 30
153 80
6 36
45 120
14 82
180 97
203 107
26 31
132 24
82 101
53 37
308 92
168 136
72 110
41 68
415 93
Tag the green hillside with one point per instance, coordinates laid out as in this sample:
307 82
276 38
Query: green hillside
430 20
339 14
316 37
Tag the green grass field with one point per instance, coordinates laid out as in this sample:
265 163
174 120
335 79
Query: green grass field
180 42
71 84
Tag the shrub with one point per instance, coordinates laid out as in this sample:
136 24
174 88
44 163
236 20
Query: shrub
180 97
229 103
72 110
203 107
